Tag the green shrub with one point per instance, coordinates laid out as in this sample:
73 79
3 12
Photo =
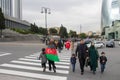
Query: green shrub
21 31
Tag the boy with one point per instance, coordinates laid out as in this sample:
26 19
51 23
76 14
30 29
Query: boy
73 61
43 59
103 60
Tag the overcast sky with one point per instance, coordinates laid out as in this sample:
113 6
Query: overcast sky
70 13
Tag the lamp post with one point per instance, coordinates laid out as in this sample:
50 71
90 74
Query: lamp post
46 11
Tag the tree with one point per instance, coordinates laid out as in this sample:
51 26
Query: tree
72 33
34 28
2 21
42 30
82 35
53 31
63 32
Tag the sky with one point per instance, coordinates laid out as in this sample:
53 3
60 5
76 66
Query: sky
69 13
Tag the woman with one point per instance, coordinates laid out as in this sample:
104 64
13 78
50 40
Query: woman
51 62
93 56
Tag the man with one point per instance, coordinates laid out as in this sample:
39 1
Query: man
82 53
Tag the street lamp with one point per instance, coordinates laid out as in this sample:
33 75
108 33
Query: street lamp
46 11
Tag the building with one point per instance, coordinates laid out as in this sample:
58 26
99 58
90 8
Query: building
105 15
110 16
17 7
6 6
12 10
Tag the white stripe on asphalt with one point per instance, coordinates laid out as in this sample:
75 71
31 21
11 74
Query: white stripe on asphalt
59 55
32 75
29 63
31 68
35 60
5 54
32 57
59 66
39 61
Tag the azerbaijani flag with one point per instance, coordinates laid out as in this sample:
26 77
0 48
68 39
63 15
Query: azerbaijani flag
51 54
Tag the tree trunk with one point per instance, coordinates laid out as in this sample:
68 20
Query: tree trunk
1 33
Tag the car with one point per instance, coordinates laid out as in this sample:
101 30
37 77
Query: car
110 43
98 44
119 43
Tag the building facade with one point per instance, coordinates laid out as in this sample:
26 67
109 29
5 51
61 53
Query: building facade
110 17
6 6
17 7
12 10
105 15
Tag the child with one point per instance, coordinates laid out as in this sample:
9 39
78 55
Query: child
103 60
43 59
73 61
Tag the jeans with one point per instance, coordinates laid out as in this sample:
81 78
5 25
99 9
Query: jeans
73 67
102 67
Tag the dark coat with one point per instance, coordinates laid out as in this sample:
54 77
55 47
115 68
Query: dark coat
73 60
81 51
93 55
60 45
103 59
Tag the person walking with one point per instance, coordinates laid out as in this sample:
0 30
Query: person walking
51 63
43 59
72 46
82 53
59 46
67 45
103 60
93 57
73 62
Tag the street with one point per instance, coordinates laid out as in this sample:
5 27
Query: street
18 61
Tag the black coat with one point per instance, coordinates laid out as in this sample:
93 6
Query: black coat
81 51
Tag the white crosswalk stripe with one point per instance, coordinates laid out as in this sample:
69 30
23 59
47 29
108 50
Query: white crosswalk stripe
39 64
29 66
32 75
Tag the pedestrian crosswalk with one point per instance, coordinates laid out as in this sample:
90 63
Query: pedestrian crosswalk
30 66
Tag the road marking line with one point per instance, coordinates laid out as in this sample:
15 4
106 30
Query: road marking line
31 68
38 63
37 57
63 63
36 60
32 75
5 54
59 66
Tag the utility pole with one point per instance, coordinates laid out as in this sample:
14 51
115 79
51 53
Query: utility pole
80 29
46 11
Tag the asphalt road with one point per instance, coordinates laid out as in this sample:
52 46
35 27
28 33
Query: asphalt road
17 50
112 71
14 51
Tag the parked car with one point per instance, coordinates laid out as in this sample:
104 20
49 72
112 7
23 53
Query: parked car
110 43
98 44
119 43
